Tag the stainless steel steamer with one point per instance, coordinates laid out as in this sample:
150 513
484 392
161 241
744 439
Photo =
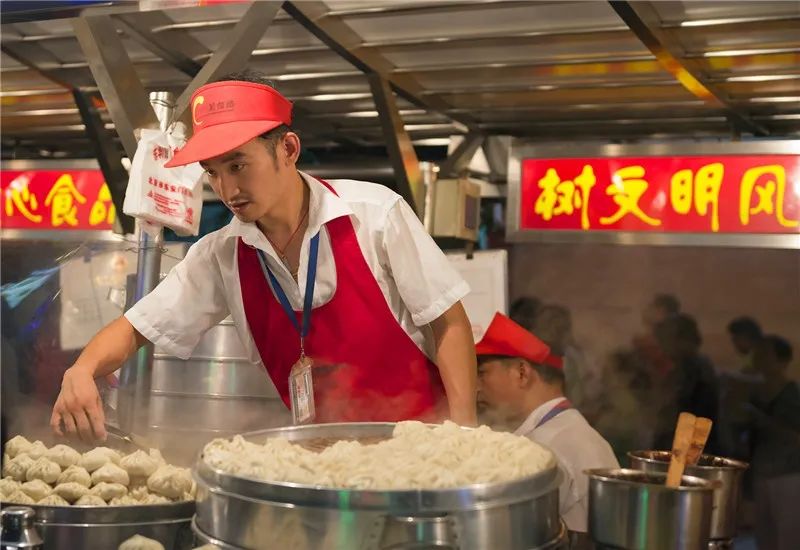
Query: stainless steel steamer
105 527
241 513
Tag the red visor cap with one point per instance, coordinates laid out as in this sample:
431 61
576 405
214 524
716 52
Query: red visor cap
228 114
506 338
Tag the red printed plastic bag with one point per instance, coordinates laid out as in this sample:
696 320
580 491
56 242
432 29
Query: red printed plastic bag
171 197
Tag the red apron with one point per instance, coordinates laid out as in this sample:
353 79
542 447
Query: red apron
366 367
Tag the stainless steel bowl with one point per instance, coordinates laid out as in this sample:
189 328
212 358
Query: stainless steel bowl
635 510
727 495
522 514
106 527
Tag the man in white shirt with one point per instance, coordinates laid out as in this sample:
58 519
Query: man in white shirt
332 285
521 386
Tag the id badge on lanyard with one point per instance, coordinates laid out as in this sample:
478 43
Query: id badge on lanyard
301 382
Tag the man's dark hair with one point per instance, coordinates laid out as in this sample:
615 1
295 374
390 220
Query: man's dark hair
550 375
745 326
781 347
274 136
669 303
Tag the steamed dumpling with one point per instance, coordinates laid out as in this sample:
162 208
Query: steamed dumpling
138 481
36 450
138 542
90 500
8 485
63 455
170 481
139 493
76 474
124 500
17 468
53 500
17 445
108 491
36 489
146 497
44 469
71 491
139 464
110 473
155 454
18 497
154 499
98 457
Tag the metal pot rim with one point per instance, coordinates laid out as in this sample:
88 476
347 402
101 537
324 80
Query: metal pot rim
144 513
726 463
411 501
618 476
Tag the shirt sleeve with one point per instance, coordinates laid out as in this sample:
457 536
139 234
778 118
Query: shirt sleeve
188 302
426 280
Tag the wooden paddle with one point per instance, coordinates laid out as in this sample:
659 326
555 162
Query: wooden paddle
702 429
680 448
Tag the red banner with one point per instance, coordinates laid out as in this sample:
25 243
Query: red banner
725 194
55 199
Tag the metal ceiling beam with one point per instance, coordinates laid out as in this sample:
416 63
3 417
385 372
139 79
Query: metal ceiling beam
459 159
457 8
535 37
108 155
753 22
235 52
179 53
182 53
116 77
644 21
408 177
337 34
554 63
30 55
497 149
546 86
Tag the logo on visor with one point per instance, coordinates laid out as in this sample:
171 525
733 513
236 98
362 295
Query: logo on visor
199 100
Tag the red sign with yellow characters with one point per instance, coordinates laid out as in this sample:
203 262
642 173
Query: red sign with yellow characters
697 194
56 199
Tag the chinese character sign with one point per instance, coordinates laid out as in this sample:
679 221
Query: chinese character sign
55 199
723 194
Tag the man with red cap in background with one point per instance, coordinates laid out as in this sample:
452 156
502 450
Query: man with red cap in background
521 388
334 286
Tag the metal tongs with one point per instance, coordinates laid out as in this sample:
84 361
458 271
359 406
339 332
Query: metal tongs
134 440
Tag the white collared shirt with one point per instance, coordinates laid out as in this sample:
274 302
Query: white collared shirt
577 447
414 275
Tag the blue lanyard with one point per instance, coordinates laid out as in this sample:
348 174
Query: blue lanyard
311 278
559 407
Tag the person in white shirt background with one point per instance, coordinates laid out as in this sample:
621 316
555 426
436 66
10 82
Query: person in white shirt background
521 389
342 272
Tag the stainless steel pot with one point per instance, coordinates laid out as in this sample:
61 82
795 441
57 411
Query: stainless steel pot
106 527
248 514
182 404
727 495
18 531
635 510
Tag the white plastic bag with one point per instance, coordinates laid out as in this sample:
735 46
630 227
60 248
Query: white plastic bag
171 197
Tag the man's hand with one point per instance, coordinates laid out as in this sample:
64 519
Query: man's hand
78 410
